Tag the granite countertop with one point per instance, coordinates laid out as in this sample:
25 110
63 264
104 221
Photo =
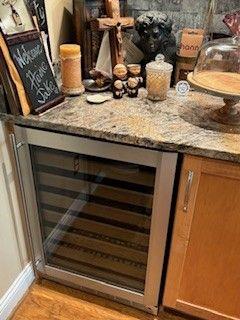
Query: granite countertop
180 124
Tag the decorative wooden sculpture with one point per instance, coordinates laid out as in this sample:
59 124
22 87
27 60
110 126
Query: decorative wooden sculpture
119 79
132 87
118 89
115 24
87 34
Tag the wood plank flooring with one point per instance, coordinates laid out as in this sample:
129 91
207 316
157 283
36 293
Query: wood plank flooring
48 300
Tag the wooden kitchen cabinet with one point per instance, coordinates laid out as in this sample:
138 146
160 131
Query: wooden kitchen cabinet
203 277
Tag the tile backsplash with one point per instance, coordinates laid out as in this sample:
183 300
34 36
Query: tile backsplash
186 13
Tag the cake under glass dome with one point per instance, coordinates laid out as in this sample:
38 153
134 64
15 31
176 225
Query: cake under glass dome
218 72
218 66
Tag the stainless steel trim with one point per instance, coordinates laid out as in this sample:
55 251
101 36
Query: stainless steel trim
165 176
27 188
94 284
166 166
90 147
5 175
16 158
188 190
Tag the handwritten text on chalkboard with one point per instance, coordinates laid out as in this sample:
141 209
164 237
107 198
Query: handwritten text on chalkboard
35 72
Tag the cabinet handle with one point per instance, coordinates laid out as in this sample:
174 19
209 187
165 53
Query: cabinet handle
188 190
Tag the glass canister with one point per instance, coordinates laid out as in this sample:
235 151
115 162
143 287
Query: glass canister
158 78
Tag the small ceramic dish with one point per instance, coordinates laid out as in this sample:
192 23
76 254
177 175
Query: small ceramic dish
98 98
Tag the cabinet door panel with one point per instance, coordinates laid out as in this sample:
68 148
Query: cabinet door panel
204 275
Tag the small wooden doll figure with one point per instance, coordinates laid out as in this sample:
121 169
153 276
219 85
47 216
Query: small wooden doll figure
132 87
119 79
120 72
118 89
134 71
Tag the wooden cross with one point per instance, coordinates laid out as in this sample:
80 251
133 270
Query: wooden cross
115 24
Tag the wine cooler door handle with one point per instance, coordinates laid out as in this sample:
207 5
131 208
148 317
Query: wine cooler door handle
188 190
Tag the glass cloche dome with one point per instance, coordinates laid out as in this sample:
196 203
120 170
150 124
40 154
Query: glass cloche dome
217 72
218 66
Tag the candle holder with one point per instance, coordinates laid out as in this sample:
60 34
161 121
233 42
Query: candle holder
158 78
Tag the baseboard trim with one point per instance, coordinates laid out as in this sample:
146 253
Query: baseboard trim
16 292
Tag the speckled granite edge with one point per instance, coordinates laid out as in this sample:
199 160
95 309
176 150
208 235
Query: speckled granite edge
188 137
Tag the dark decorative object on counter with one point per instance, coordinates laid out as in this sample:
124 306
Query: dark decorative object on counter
155 31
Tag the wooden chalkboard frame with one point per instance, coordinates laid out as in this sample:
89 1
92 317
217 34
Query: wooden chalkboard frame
24 38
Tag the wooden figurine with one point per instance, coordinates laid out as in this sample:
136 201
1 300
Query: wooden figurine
120 72
118 89
119 80
132 87
115 24
134 70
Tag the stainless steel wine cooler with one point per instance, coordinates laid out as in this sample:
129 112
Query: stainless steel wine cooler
98 212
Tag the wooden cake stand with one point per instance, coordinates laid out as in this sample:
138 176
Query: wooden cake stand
222 84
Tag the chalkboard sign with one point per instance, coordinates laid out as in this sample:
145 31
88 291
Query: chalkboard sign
37 77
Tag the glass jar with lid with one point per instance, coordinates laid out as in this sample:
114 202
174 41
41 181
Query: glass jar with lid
158 78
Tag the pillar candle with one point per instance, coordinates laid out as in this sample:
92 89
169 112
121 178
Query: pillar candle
70 55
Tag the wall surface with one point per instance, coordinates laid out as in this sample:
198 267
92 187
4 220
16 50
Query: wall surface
186 13
59 17
13 251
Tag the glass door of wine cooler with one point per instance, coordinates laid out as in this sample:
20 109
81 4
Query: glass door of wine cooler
98 212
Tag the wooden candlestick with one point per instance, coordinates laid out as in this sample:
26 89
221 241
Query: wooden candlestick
70 55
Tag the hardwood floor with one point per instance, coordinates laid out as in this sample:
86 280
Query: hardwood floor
48 300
